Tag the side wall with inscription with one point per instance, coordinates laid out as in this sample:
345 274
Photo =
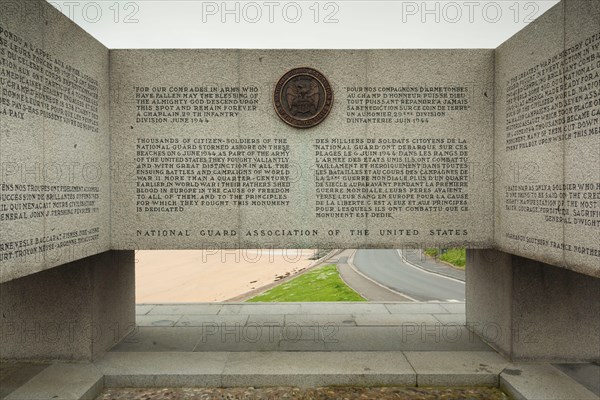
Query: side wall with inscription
55 192
54 141
403 159
547 139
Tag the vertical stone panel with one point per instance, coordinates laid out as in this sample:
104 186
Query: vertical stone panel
54 141
547 140
582 150
401 158
87 307
529 310
529 162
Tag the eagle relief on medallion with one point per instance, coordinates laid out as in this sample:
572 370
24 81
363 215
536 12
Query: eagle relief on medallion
303 97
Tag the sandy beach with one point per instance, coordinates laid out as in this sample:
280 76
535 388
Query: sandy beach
187 276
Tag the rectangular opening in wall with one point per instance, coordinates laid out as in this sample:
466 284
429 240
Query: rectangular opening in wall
300 275
311 300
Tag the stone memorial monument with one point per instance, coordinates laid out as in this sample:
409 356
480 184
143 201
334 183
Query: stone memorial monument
103 152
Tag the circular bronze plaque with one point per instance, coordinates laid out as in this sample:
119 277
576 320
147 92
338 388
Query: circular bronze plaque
303 97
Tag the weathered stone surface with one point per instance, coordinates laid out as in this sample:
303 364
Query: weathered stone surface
62 381
449 368
529 310
313 369
255 368
87 307
582 154
14 374
489 297
54 141
541 381
440 120
168 369
547 140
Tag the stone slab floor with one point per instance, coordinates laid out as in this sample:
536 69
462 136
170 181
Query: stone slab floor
301 326
302 345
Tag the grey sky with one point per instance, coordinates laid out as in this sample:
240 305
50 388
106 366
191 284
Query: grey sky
303 24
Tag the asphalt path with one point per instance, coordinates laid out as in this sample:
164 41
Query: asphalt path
388 268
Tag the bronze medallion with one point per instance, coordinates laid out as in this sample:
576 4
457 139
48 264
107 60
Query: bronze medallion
303 97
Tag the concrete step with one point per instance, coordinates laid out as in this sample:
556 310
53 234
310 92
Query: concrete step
312 308
535 381
301 369
307 334
247 327
62 382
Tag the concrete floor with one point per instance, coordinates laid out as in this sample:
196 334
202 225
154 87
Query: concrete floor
15 375
299 344
302 326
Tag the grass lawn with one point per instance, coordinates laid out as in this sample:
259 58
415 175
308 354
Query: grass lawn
319 284
456 256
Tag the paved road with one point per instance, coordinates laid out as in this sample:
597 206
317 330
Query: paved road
365 287
387 268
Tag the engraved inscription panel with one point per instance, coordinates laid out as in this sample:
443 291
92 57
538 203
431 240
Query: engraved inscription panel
54 143
207 162
548 139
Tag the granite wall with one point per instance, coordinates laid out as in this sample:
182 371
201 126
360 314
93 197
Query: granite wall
403 159
54 141
547 139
